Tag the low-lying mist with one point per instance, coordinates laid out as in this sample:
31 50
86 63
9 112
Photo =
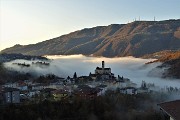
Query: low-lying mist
128 67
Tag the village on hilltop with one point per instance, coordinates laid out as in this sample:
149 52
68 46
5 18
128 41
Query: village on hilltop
54 89
85 87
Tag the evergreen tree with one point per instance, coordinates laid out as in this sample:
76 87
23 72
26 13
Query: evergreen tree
75 75
68 77
90 74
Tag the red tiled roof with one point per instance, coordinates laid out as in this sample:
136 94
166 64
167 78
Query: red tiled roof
172 108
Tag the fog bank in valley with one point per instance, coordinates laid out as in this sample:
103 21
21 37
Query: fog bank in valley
129 67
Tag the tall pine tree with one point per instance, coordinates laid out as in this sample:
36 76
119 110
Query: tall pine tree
75 75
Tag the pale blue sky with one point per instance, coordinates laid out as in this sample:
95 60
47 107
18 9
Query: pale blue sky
31 21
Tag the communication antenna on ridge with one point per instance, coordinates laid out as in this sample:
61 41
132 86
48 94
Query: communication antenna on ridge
154 18
139 18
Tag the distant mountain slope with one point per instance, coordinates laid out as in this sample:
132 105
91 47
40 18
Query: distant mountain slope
170 60
137 39
11 57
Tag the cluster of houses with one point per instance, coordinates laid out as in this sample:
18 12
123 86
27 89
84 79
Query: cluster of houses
20 94
86 87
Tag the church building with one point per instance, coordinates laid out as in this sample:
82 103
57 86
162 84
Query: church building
104 73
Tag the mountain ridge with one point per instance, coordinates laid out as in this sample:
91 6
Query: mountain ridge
133 39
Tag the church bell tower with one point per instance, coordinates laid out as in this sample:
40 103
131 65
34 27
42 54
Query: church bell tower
103 66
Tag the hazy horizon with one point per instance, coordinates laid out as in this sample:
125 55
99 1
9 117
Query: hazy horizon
129 67
29 22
